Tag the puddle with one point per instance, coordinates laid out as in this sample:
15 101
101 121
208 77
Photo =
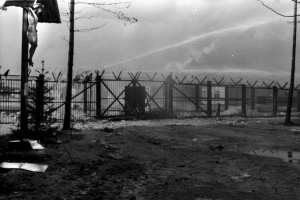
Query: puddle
287 156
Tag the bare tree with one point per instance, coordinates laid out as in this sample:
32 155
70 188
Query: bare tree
292 78
112 8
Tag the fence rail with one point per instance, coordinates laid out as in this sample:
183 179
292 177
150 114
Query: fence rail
105 96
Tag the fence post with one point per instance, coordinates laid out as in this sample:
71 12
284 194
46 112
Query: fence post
134 82
275 101
98 96
40 100
166 95
197 98
169 93
298 100
252 98
209 99
218 110
226 98
243 100
170 96
85 97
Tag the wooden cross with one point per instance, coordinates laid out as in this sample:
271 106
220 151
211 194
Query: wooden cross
50 16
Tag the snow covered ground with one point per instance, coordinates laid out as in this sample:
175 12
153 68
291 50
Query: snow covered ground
101 124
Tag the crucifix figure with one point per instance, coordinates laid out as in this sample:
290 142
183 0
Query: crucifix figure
31 11
31 29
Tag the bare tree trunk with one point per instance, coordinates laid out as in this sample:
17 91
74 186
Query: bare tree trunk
290 97
67 118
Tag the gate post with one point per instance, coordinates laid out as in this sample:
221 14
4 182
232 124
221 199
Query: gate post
226 97
166 95
197 97
243 100
275 101
218 113
85 97
98 96
169 93
209 99
252 98
134 82
170 97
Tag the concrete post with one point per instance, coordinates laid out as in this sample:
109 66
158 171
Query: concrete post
244 103
209 99
275 101
252 98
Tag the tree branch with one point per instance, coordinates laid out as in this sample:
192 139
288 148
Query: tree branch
127 4
262 3
120 15
90 18
65 39
89 29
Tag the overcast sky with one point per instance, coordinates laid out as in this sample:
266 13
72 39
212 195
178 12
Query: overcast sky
193 36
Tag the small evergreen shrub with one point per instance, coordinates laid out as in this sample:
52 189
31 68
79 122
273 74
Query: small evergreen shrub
40 106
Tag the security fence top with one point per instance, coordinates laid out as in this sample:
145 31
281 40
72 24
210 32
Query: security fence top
164 77
5 74
297 86
179 81
201 82
98 75
117 77
282 87
151 79
87 78
138 75
236 82
179 78
57 78
251 85
219 82
183 79
134 76
77 78
192 80
268 86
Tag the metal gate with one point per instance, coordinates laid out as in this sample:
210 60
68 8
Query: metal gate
189 99
113 102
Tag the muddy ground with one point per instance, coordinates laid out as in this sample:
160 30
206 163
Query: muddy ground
197 159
